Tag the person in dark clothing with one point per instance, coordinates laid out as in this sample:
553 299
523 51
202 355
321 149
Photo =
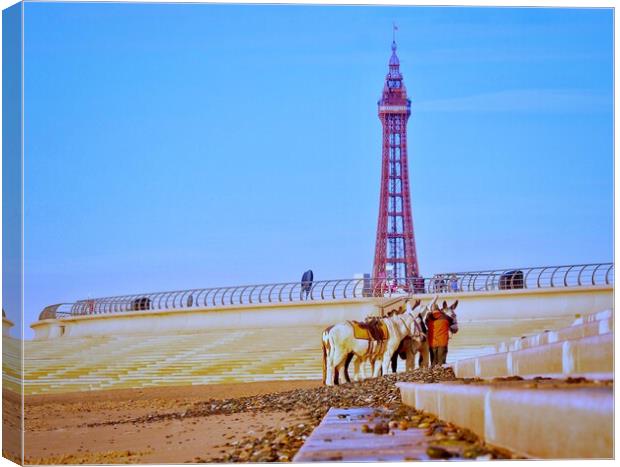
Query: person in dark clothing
306 282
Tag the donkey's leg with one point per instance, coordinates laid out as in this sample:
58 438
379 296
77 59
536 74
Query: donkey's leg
394 362
425 360
386 358
410 362
377 369
365 369
385 364
334 358
330 369
357 376
347 361
338 364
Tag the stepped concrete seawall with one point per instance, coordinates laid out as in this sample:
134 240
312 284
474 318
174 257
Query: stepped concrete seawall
543 395
258 342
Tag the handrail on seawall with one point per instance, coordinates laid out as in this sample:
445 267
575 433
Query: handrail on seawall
576 275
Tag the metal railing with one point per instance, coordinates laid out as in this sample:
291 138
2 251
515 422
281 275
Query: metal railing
290 292
525 278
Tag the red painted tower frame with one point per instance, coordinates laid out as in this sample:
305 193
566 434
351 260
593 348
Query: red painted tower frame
395 249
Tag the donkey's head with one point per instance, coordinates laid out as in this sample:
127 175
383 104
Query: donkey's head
445 307
409 307
449 310
419 328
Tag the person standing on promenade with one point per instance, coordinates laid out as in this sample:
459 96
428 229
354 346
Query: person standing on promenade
306 283
454 283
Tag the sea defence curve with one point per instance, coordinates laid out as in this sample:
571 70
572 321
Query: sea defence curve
272 331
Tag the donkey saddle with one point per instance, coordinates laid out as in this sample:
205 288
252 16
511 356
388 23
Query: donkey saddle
375 330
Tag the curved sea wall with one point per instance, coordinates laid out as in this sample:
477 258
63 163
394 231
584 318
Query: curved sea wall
506 308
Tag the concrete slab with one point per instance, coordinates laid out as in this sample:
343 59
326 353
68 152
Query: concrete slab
339 438
490 366
593 354
551 421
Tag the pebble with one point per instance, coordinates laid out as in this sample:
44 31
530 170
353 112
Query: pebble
381 429
436 452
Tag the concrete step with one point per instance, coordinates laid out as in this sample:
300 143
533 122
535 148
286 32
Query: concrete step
568 422
592 354
74 364
591 317
593 328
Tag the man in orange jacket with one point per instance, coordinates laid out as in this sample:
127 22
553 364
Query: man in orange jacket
439 323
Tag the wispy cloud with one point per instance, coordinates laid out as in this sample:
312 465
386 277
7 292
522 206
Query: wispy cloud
484 54
524 100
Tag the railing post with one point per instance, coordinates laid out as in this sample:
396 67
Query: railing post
566 276
271 290
539 275
323 289
290 294
594 274
334 289
356 286
580 272
260 294
282 287
345 288
553 275
224 295
215 296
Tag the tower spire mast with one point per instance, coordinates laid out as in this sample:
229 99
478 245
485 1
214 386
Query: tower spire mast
395 249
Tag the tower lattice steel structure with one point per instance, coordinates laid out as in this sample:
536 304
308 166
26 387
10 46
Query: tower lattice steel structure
395 251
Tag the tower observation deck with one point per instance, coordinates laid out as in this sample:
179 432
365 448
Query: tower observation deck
395 249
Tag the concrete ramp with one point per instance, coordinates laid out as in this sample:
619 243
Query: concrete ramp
339 437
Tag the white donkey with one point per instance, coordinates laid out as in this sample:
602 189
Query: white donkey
367 341
409 349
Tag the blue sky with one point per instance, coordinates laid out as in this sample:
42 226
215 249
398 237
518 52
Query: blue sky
178 146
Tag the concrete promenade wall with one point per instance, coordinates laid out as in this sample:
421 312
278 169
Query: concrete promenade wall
6 326
487 317
284 315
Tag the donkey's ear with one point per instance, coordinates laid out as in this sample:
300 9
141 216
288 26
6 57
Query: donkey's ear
444 304
454 305
416 304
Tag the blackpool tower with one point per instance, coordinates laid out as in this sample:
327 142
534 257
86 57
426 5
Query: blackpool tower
395 252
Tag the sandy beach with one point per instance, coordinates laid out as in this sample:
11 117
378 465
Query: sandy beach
246 422
92 427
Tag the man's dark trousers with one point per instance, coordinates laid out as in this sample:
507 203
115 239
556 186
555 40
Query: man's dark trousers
438 355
